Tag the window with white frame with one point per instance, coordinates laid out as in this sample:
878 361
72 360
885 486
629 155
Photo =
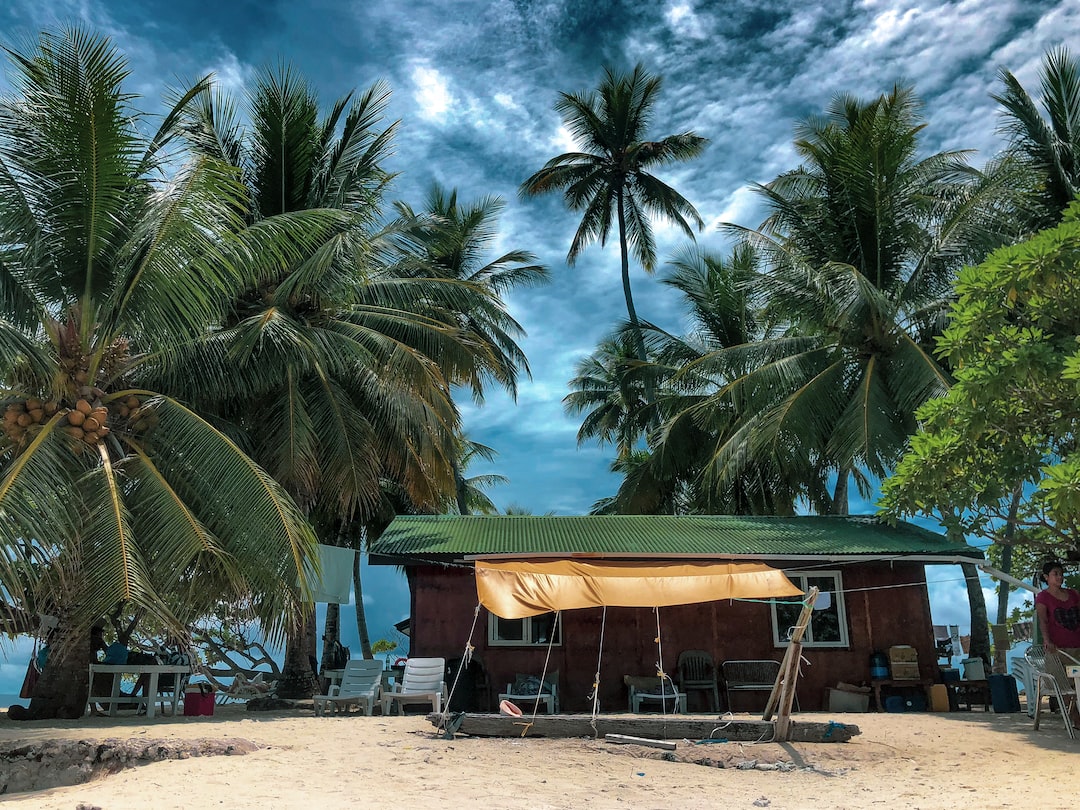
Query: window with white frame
531 631
828 623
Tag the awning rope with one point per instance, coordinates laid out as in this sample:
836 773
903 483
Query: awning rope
466 659
595 695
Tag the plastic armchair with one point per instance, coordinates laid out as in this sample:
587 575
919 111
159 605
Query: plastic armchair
697 672
422 682
360 685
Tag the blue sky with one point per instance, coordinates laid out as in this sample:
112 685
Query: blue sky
474 84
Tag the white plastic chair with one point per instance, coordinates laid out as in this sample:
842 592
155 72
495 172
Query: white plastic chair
422 682
360 685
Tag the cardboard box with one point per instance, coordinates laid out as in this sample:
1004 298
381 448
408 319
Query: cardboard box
841 700
904 671
903 654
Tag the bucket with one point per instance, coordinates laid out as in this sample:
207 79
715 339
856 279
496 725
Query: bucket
879 666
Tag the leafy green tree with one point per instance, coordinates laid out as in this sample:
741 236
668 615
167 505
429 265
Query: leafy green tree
1013 413
112 249
610 180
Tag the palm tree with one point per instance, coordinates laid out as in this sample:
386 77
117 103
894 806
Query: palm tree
469 495
1049 148
351 354
675 475
112 492
607 389
859 252
611 180
339 366
451 240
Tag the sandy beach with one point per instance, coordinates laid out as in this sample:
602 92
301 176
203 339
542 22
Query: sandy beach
971 759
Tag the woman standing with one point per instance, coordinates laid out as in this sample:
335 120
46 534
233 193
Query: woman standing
1058 609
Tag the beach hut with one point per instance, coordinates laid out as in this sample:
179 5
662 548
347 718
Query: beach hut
871 576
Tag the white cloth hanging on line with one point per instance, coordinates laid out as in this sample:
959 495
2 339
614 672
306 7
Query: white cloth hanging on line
335 584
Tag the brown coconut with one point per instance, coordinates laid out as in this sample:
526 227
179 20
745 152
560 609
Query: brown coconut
76 417
90 424
24 420
37 414
132 402
33 404
74 432
84 406
50 407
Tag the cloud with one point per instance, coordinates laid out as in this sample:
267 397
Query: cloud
431 93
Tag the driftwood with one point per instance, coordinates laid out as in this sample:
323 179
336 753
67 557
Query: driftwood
672 727
622 739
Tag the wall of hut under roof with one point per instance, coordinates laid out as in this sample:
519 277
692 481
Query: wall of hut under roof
885 603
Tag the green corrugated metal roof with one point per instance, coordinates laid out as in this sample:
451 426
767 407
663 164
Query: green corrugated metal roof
454 537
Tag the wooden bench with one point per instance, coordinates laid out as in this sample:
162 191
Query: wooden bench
153 695
750 676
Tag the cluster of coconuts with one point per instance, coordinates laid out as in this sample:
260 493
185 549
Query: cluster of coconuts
85 422
21 415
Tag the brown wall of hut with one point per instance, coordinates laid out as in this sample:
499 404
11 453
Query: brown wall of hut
886 604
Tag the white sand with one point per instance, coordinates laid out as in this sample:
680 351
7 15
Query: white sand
964 759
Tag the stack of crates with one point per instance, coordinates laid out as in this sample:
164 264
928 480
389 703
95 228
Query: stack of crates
903 663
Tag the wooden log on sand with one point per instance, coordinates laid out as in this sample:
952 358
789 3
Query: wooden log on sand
672 727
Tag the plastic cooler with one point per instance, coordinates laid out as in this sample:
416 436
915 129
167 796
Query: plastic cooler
199 700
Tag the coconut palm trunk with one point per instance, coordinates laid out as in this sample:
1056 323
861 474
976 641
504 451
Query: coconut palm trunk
624 255
980 624
62 688
361 616
298 678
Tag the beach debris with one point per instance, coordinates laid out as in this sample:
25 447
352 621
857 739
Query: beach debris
624 739
61 763
762 802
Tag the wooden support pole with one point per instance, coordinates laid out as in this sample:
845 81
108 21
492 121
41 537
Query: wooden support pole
783 691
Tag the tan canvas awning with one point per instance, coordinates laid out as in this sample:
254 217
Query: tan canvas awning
514 590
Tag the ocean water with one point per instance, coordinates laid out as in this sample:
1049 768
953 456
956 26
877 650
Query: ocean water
8 699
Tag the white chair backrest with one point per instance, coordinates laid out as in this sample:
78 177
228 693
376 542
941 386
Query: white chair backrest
361 677
423 675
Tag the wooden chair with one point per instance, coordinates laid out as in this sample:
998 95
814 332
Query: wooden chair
697 672
548 695
423 682
360 685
